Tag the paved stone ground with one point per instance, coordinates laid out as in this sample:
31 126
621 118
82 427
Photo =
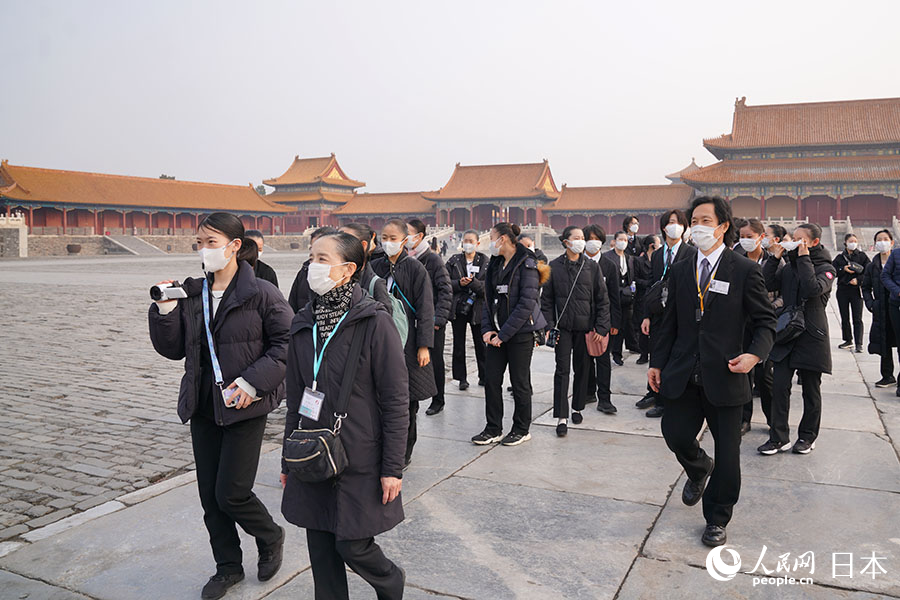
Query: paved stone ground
595 515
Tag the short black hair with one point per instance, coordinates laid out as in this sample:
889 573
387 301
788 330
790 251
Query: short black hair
595 231
887 231
350 249
777 230
755 226
723 215
648 241
565 234
418 225
848 236
679 216
740 223
627 222
525 235
320 232
254 233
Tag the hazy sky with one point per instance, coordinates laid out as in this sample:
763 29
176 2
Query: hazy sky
610 93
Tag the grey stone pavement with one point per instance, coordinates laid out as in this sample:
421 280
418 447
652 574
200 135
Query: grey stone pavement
98 500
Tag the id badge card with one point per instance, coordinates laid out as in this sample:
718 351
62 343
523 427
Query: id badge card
502 289
473 270
311 405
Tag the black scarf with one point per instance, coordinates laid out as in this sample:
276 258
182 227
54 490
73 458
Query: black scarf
330 307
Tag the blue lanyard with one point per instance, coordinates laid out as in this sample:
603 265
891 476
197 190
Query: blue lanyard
209 338
317 356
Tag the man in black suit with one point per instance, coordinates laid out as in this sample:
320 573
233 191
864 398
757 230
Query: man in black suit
698 362
262 270
672 225
631 226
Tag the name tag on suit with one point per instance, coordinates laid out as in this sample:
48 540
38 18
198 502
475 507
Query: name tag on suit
719 287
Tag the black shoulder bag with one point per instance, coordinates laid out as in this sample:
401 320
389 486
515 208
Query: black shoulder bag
791 321
317 455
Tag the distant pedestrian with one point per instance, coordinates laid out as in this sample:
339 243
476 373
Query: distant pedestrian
262 270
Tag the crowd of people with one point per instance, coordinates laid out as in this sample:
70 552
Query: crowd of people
720 309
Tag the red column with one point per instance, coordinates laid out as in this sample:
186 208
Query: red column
196 221
65 212
762 207
96 222
837 208
30 218
123 222
255 221
8 211
174 218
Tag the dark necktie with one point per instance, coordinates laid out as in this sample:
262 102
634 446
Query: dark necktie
704 275
668 258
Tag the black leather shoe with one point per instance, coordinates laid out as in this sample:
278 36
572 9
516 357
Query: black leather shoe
656 412
434 409
745 427
270 560
714 535
577 417
218 585
646 402
693 490
605 406
562 429
481 382
618 360
642 360
463 385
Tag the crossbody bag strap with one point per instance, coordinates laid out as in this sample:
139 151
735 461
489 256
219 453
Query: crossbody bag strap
340 408
574 282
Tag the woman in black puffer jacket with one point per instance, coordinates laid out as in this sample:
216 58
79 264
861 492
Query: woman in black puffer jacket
877 298
509 321
249 322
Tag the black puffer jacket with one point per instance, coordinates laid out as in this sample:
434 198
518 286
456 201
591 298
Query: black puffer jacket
587 308
843 277
523 282
876 297
441 291
373 434
412 287
458 268
250 330
808 278
300 293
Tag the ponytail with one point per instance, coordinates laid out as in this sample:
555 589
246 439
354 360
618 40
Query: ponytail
510 230
249 251
233 228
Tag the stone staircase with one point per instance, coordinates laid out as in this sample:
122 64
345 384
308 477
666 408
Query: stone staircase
133 245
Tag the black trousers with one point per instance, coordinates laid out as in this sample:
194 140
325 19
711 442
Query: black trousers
571 352
811 382
437 360
627 335
516 353
641 341
894 317
887 362
600 376
327 557
850 306
227 459
459 348
412 433
761 377
681 423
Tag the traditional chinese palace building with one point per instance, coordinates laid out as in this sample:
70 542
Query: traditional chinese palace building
808 162
73 202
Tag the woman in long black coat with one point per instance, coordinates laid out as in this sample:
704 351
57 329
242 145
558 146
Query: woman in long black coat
881 335
408 281
249 324
342 516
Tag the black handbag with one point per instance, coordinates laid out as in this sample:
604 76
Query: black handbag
791 322
655 297
317 455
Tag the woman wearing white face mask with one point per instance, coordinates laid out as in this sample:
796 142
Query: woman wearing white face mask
343 515
575 306
850 266
882 337
407 279
631 226
627 334
229 387
467 272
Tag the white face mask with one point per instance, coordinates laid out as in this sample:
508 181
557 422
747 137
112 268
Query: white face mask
592 247
704 236
576 246
468 248
789 245
621 244
319 278
412 242
495 249
214 259
884 245
851 246
634 228
748 244
259 254
392 248
766 242
674 230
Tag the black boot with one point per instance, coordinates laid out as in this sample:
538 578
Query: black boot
218 585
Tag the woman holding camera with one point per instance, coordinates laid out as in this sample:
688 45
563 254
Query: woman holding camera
232 330
575 306
467 272
343 515
850 266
